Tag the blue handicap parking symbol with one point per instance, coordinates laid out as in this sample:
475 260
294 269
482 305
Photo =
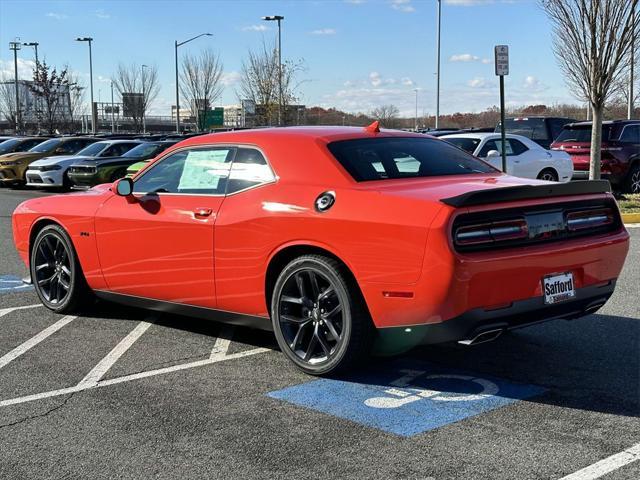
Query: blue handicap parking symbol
12 283
408 399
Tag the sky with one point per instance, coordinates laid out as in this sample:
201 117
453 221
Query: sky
357 54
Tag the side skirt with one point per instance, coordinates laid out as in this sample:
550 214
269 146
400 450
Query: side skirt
233 318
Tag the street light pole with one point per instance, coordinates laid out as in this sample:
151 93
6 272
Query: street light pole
416 122
113 123
278 18
15 46
176 45
35 46
93 117
438 67
144 124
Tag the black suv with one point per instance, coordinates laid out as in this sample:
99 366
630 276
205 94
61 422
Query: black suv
542 130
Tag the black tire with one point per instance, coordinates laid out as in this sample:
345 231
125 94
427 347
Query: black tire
633 179
548 174
60 284
326 328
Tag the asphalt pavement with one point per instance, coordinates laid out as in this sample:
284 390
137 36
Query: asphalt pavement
124 393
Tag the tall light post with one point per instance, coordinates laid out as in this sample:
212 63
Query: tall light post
93 117
438 66
179 44
15 46
37 99
144 122
278 18
113 123
416 122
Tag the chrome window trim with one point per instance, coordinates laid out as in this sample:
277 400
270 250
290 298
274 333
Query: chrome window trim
205 145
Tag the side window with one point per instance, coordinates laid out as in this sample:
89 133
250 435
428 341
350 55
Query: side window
490 145
517 147
631 134
249 169
202 171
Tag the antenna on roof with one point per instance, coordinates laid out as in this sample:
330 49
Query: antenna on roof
373 128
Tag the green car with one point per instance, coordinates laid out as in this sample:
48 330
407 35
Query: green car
89 173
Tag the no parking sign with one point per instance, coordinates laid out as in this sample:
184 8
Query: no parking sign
408 401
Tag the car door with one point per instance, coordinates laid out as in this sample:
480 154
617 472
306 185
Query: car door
158 242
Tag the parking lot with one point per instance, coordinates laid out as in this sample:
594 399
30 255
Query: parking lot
119 392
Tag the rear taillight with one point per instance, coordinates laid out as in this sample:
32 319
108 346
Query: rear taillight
588 219
491 232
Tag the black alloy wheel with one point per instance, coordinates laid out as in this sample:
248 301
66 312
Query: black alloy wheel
318 318
55 271
548 175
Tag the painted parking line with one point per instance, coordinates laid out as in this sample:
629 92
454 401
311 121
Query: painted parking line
12 284
607 465
5 311
94 376
35 340
408 399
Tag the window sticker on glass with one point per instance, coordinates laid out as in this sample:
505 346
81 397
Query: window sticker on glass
203 170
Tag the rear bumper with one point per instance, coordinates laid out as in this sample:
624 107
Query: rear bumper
518 314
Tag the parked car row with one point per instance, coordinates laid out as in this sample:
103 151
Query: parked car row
76 162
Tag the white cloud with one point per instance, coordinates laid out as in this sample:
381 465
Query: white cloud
25 69
323 31
355 2
464 57
403 6
230 78
57 16
406 81
374 78
487 61
255 28
533 84
100 13
478 82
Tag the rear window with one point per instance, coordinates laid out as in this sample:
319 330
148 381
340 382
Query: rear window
533 128
469 145
581 134
392 158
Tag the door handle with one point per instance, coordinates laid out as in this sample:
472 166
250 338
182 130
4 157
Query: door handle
202 212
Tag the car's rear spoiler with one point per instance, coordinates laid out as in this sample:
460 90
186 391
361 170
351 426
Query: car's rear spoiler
526 192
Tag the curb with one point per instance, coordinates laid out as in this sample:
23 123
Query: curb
631 217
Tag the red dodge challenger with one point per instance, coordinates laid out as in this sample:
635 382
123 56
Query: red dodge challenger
338 239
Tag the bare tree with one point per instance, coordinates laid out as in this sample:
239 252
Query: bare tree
592 43
76 102
130 79
387 115
200 82
8 98
50 88
259 82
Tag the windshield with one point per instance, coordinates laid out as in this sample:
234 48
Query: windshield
392 158
142 151
93 150
469 145
8 145
46 146
533 128
581 134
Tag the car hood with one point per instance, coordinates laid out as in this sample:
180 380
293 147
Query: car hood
104 161
20 156
56 160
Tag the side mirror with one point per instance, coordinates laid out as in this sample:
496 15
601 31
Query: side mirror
493 154
123 187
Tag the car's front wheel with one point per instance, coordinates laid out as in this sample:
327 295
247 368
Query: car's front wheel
55 271
548 174
319 317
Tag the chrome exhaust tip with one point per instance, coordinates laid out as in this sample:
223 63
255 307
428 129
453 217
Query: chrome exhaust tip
483 337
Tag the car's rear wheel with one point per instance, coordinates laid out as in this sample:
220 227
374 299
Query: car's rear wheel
633 182
548 174
55 271
319 318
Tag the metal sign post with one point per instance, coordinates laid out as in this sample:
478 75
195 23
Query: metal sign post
502 68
